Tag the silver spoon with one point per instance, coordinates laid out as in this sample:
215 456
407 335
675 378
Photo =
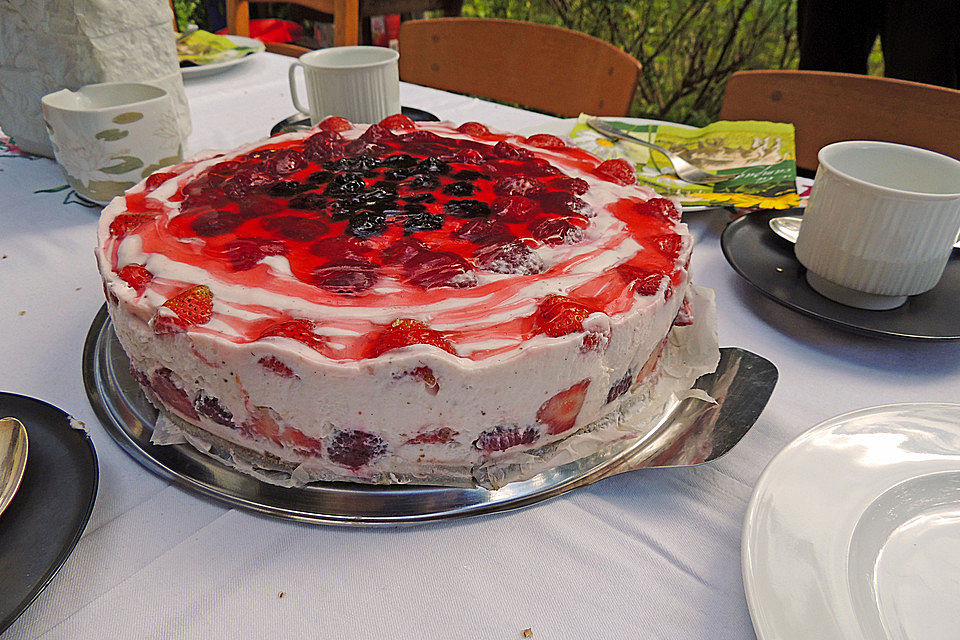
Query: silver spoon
13 458
788 228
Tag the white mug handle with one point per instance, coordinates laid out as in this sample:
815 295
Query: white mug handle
293 88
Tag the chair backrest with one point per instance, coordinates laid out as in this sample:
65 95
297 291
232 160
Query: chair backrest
827 107
345 21
538 66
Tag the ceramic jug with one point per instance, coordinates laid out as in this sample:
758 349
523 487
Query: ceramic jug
110 136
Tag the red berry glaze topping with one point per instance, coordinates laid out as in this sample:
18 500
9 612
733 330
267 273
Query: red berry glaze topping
399 215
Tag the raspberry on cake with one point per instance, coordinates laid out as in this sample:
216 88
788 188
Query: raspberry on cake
394 302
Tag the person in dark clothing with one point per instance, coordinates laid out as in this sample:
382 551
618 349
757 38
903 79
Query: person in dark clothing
920 39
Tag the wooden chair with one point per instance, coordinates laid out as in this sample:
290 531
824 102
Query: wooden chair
538 66
350 17
829 107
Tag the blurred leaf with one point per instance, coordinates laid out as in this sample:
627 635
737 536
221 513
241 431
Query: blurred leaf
111 134
125 164
128 117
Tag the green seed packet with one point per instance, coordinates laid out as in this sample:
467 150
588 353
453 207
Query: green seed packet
760 156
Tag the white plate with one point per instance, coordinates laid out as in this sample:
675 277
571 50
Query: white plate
853 530
563 126
217 67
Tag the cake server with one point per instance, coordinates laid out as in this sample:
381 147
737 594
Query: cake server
13 458
685 170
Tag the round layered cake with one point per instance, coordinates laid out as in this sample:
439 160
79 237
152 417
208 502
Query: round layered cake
393 302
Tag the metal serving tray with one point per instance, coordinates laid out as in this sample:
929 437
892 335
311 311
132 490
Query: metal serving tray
691 431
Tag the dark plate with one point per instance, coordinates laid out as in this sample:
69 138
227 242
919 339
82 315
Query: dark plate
742 383
299 121
767 262
44 522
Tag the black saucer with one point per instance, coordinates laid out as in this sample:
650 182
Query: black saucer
44 521
768 263
299 121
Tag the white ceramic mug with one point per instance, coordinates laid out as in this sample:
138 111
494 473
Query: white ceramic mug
109 136
880 224
361 84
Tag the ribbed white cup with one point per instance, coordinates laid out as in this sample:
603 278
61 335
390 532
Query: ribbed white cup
361 84
881 222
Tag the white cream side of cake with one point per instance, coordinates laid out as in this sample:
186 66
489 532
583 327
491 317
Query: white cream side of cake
375 395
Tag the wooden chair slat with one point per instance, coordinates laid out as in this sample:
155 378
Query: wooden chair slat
827 107
537 66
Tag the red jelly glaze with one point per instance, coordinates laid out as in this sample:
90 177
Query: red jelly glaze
296 215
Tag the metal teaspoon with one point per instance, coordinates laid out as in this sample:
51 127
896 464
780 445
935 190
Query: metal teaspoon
13 458
788 228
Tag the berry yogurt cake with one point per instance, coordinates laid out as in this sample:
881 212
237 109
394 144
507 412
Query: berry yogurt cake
395 302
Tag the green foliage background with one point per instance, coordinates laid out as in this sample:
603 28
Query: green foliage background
687 48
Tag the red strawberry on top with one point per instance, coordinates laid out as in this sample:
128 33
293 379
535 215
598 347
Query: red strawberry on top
135 275
156 179
546 141
619 171
646 282
335 123
658 208
127 222
299 330
398 121
559 315
560 412
669 245
405 332
473 129
193 306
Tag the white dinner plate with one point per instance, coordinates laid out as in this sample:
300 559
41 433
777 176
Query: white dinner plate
217 67
563 127
853 530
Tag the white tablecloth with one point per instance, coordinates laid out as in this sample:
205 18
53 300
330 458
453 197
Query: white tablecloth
651 554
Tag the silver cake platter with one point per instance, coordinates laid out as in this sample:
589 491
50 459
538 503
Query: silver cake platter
690 431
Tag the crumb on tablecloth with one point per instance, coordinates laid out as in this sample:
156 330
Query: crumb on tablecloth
528 633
